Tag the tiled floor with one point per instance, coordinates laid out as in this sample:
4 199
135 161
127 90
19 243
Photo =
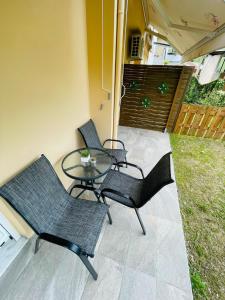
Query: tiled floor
130 265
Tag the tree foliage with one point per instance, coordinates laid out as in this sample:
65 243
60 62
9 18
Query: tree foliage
207 94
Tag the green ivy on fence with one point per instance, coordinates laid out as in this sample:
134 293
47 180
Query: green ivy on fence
207 94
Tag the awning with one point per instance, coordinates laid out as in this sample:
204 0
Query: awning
192 27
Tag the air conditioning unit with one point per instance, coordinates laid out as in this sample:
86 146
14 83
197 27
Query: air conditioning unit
137 44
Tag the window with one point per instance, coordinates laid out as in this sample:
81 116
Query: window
172 51
4 236
221 65
6 230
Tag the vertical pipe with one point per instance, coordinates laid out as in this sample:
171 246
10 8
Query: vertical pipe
119 62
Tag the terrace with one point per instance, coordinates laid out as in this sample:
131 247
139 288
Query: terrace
62 64
130 265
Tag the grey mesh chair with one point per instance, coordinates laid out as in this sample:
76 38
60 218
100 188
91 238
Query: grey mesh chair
91 139
134 192
40 198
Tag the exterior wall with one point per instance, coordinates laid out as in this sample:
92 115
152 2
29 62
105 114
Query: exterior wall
208 72
160 54
135 21
101 62
44 85
173 59
152 51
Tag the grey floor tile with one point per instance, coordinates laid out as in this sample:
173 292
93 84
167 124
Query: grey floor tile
109 280
137 286
115 243
53 273
165 229
165 205
166 291
142 252
149 221
172 265
121 216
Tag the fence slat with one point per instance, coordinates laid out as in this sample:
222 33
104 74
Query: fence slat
201 121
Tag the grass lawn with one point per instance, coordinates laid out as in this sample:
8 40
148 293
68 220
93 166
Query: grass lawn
200 174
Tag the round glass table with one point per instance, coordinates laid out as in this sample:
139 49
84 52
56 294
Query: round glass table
99 164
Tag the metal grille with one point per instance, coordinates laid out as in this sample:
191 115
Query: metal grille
136 47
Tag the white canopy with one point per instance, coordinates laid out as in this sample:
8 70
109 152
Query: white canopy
192 27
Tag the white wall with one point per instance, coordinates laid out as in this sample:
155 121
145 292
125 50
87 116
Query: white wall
208 71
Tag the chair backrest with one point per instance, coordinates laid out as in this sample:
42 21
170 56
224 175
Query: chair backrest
158 177
90 135
37 195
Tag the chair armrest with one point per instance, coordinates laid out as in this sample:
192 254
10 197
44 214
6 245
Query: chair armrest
118 193
81 186
61 242
121 163
113 140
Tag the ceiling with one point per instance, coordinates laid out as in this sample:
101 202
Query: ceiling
193 27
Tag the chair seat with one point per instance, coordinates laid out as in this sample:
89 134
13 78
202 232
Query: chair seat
118 154
125 184
81 223
38 195
40 198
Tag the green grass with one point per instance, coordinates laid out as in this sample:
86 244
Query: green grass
200 174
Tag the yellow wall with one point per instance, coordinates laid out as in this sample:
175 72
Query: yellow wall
43 84
135 21
101 74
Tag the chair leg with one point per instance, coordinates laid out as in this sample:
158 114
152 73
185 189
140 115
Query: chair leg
71 190
126 160
140 220
108 213
37 244
89 266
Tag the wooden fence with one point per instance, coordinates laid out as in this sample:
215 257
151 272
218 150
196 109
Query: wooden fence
201 121
164 108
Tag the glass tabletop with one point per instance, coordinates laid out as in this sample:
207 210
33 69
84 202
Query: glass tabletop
90 168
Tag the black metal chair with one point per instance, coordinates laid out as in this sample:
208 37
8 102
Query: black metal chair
91 139
40 198
134 192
